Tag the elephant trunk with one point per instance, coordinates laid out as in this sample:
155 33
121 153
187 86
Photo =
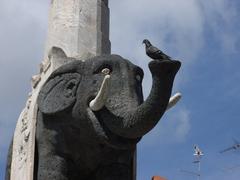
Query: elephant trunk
140 120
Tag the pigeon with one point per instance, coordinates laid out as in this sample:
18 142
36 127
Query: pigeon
154 52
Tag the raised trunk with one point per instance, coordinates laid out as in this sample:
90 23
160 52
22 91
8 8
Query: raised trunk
137 122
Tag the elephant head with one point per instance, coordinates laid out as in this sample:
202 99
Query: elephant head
102 97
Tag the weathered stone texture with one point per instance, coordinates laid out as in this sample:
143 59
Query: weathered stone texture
79 27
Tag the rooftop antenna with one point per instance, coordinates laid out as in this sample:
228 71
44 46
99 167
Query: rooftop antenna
235 146
198 153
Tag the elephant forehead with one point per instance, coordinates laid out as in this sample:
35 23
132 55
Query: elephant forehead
96 64
72 67
108 61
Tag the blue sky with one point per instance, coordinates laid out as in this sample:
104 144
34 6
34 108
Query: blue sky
203 35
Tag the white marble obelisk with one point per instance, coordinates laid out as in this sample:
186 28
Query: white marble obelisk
81 29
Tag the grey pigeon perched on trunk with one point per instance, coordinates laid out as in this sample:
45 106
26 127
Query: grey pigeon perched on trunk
154 52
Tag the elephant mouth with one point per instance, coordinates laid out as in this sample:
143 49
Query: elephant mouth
98 111
104 134
114 139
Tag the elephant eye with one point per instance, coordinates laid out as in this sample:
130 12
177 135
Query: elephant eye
104 68
106 71
139 74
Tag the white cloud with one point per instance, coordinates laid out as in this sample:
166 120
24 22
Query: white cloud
174 25
222 16
183 126
189 19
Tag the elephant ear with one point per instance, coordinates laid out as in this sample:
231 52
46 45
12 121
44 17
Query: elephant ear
58 93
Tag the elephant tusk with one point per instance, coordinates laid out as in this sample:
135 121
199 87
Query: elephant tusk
98 102
173 100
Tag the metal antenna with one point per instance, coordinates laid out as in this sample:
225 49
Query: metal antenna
235 146
198 153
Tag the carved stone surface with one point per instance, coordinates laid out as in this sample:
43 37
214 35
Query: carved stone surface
79 27
22 152
44 66
74 142
35 80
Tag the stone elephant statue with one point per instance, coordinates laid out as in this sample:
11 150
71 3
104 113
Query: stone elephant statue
92 114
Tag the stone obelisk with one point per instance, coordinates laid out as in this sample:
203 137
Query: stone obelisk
81 29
